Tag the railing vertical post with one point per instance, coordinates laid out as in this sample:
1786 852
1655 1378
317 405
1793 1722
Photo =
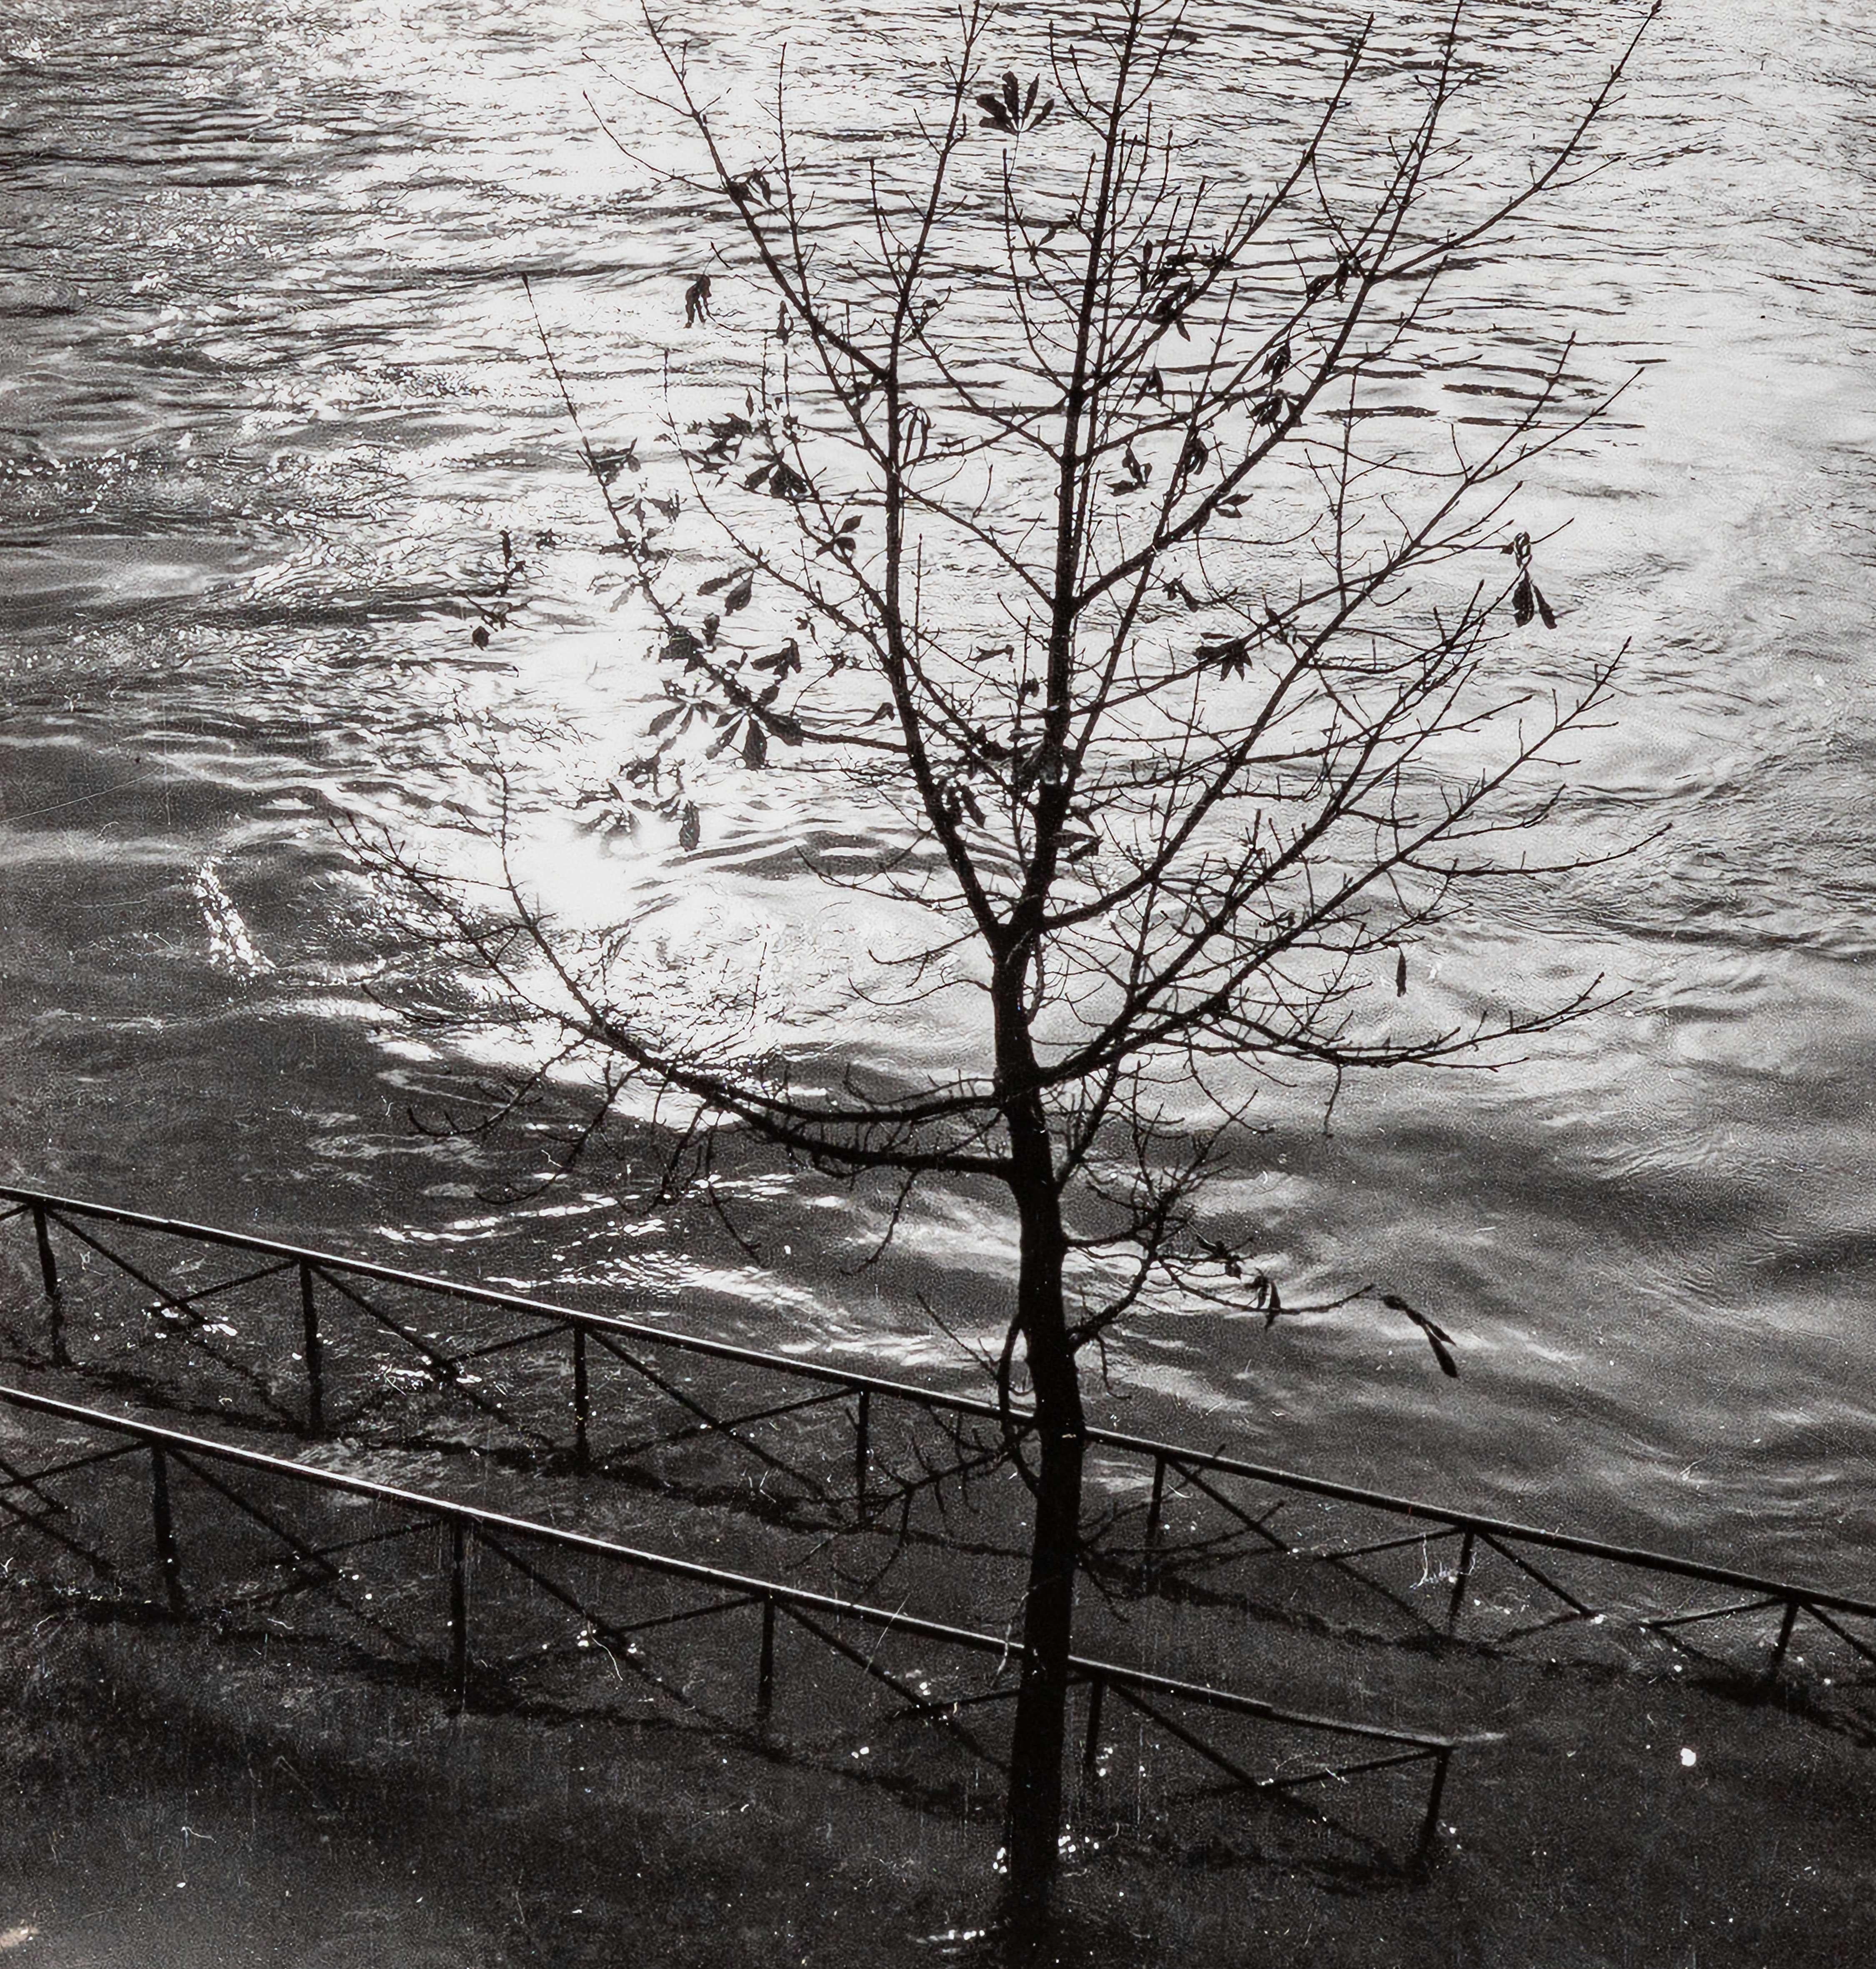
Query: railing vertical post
765 1665
315 1361
1430 1826
1149 1550
1460 1579
582 1401
48 1265
863 1438
459 1615
1091 1749
164 1525
1783 1642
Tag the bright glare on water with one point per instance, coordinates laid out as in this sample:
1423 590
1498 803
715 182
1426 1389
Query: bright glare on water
272 393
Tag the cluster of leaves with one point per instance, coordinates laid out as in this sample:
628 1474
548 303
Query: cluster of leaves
1527 598
1015 110
496 607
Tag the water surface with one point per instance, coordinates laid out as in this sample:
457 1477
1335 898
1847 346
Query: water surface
271 394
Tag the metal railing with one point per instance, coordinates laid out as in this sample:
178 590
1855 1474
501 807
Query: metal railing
569 1586
1175 1477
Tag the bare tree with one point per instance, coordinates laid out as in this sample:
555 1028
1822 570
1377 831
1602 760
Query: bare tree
1052 523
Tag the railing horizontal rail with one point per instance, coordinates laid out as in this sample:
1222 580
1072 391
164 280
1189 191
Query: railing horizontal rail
507 1302
1181 1457
187 1448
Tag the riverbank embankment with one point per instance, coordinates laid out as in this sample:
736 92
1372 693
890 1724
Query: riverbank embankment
176 1797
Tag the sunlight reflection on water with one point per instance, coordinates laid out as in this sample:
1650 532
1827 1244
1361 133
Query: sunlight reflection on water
273 393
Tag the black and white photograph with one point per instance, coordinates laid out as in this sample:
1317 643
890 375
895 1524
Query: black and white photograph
938 984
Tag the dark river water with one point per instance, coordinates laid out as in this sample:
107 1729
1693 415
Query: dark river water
269 392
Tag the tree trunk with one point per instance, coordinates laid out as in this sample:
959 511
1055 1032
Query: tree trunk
1034 1829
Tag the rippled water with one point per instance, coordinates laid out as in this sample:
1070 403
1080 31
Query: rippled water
271 394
